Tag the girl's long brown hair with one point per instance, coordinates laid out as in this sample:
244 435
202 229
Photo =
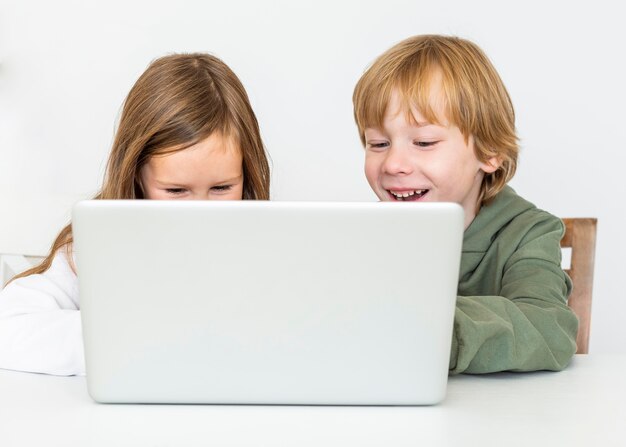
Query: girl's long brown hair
177 102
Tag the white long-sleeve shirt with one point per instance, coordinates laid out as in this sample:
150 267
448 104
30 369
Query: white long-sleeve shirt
40 326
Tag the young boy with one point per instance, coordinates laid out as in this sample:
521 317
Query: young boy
438 125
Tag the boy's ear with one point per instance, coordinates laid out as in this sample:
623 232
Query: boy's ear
491 165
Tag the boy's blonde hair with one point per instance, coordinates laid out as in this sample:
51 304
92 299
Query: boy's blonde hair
474 97
179 100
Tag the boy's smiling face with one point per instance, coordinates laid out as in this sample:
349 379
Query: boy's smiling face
419 161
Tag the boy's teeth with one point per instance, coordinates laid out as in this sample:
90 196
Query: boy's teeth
407 193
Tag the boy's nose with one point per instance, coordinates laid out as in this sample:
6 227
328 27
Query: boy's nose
397 162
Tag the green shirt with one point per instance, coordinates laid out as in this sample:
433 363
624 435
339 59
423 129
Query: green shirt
511 312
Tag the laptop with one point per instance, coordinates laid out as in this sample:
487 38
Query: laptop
258 302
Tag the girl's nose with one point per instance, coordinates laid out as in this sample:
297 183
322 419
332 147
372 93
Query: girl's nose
397 161
201 196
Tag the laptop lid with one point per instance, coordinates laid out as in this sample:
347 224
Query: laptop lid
255 302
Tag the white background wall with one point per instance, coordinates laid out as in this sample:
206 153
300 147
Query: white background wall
65 67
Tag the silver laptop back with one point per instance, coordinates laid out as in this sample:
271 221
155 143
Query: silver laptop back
267 302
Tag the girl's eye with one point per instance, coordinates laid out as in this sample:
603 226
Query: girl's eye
221 188
175 191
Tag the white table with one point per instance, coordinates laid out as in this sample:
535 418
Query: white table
585 405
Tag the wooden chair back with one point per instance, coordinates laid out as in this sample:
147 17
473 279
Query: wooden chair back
580 236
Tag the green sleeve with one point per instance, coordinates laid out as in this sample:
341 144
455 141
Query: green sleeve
529 325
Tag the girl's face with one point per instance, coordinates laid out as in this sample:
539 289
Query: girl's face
209 170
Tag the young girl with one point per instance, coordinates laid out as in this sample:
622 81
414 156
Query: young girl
187 131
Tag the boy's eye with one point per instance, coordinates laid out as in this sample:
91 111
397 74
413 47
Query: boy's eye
175 191
425 143
378 145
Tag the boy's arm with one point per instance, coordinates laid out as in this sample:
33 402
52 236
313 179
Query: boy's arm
40 327
529 327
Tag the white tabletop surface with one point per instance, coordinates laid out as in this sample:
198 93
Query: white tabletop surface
585 405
